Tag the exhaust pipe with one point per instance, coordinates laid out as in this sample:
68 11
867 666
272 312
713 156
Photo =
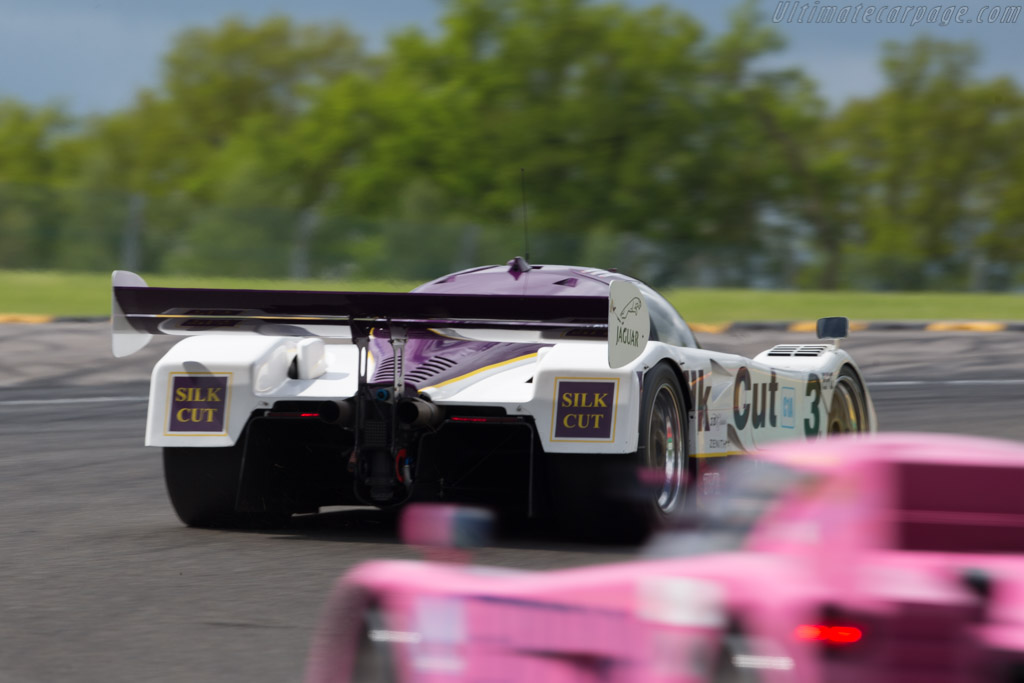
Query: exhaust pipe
337 412
415 412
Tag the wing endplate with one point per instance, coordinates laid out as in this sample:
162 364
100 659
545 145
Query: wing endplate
629 323
126 339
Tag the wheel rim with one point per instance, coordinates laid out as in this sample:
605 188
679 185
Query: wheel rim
666 448
847 414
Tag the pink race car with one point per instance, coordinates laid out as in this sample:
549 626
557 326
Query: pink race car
894 557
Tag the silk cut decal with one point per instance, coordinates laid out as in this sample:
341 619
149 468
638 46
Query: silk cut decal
198 403
584 409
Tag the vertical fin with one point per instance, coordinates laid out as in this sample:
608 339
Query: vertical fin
629 323
125 339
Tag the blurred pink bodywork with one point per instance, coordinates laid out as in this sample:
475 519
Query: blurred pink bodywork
883 534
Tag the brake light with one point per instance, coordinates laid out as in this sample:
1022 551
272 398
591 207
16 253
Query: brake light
842 635
836 635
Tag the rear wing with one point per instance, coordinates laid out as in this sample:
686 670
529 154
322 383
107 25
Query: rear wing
138 312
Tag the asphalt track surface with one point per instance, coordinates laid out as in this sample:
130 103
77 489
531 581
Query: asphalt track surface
100 582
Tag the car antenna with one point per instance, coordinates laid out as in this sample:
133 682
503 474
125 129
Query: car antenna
526 231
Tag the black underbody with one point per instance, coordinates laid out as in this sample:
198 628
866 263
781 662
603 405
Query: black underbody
297 462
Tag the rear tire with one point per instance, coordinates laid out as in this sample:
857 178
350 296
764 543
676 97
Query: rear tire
622 498
202 484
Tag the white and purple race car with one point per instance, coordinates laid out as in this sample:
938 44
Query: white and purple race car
541 390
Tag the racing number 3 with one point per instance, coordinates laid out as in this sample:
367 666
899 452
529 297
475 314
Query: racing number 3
813 389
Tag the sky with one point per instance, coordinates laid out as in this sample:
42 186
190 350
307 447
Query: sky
94 55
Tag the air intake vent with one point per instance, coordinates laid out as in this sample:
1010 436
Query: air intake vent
429 369
385 370
798 350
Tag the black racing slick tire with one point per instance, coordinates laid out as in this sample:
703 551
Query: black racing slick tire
849 410
203 485
622 498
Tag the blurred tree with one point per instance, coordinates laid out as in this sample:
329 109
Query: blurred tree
932 160
630 123
274 148
999 233
29 217
28 137
214 81
815 193
192 141
625 118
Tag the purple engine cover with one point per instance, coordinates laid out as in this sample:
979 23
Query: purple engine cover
431 358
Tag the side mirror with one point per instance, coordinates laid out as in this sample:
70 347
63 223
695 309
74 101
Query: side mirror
833 328
446 526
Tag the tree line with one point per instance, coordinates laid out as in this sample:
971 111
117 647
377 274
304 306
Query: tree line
620 136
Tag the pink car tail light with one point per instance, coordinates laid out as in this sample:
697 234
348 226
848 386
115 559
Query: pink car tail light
836 635
842 635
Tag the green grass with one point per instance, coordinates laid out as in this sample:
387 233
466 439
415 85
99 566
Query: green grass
725 305
87 294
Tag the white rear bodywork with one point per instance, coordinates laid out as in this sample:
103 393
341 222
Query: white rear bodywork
582 394
737 404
